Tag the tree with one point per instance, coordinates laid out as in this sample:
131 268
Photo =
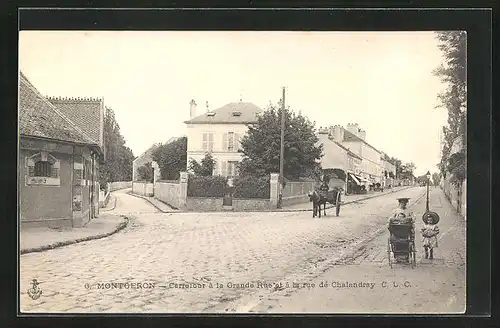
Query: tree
119 158
171 158
146 172
206 168
406 171
436 178
261 146
453 72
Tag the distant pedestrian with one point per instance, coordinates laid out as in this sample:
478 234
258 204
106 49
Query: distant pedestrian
430 230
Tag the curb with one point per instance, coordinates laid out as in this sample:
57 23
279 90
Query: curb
174 210
121 226
112 208
343 203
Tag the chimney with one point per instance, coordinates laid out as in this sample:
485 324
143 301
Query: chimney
337 133
353 128
192 109
362 134
206 104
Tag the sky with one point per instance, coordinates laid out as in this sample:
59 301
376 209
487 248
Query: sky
381 80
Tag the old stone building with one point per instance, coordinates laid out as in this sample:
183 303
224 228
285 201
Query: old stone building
59 158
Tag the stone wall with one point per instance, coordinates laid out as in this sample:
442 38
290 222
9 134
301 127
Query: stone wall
456 196
296 192
113 186
254 204
168 192
204 204
143 188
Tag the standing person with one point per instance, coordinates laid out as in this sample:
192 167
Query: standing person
429 231
401 215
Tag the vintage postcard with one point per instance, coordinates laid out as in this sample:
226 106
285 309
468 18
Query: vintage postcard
242 172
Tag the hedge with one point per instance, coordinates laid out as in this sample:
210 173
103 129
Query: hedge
252 187
211 186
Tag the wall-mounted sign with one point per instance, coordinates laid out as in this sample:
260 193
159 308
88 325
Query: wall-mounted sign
43 181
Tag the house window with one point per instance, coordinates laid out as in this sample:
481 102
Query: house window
43 169
231 141
208 141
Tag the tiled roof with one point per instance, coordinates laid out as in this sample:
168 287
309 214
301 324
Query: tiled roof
85 113
39 118
146 156
224 115
348 136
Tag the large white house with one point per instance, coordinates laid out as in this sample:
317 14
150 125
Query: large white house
219 132
353 138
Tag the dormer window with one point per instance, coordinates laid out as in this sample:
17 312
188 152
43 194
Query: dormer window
236 113
211 114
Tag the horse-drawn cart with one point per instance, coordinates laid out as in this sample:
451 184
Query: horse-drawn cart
333 197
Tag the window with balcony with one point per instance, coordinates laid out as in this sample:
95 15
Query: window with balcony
231 142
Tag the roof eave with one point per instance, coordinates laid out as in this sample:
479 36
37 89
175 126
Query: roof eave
92 145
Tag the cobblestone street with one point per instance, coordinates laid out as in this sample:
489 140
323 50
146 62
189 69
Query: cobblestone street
176 262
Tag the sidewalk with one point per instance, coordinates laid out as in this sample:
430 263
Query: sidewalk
110 205
345 200
161 206
41 239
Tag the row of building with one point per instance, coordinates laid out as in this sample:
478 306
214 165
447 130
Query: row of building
351 162
61 148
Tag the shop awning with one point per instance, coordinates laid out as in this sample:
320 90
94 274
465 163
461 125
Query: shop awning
355 179
364 180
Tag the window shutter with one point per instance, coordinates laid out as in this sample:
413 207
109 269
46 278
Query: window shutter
237 144
211 141
224 141
205 141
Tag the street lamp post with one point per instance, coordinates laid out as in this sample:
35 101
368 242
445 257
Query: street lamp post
428 175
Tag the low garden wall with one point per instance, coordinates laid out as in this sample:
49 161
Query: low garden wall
251 204
295 192
457 198
143 188
119 185
204 204
168 192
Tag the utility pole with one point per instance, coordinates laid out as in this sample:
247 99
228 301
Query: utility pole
282 149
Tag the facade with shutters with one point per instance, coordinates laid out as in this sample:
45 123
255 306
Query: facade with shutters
219 132
58 160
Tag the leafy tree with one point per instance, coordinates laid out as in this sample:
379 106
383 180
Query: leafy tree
456 166
436 178
206 168
119 158
261 146
171 158
146 172
406 171
453 72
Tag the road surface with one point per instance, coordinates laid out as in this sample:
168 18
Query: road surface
227 262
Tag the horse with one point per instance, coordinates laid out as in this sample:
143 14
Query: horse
317 200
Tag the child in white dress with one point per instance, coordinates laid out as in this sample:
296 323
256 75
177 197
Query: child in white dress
430 230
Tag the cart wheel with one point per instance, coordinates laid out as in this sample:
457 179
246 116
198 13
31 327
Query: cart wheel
337 209
389 252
